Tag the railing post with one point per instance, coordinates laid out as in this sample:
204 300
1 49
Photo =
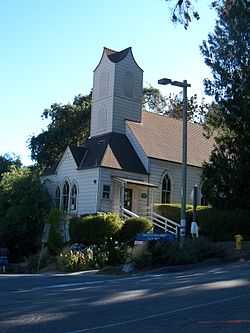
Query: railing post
122 197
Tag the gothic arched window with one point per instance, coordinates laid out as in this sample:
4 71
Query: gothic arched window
73 198
165 190
57 197
65 196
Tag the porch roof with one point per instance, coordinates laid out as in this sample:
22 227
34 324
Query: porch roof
134 181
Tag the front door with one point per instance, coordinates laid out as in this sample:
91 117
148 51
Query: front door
128 196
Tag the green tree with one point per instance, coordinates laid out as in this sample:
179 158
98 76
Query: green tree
184 11
24 205
7 161
69 124
227 52
172 105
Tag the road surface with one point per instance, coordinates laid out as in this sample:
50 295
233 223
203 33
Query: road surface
211 299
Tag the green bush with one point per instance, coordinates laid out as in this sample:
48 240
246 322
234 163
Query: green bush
215 224
55 240
75 229
134 226
24 208
173 211
190 251
39 259
69 261
222 225
95 229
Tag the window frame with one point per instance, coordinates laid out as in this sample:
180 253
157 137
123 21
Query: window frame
166 191
66 196
106 193
73 196
58 198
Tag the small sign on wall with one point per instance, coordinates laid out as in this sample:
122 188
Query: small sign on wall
144 195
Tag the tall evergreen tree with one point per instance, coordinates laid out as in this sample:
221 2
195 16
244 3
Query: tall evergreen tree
226 180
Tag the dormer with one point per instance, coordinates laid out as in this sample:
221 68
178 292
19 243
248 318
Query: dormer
117 92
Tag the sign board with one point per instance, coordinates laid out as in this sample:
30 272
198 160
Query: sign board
154 236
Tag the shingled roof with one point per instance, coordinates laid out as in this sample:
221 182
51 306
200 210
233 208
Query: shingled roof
112 150
161 138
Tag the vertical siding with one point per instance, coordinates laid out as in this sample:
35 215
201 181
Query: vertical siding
157 170
98 125
127 107
86 181
111 105
102 99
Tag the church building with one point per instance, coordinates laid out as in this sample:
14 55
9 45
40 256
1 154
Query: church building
132 159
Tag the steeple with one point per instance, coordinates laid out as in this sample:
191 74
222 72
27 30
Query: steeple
117 92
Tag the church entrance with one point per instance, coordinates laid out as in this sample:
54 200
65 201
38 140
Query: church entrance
128 198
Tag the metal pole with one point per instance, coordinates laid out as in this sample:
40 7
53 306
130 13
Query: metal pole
184 162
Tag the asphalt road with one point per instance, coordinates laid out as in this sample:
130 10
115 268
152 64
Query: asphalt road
211 299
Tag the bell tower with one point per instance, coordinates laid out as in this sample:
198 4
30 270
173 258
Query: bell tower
117 92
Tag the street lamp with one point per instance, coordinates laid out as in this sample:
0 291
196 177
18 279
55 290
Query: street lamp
184 85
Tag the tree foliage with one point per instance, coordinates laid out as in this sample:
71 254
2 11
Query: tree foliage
24 205
184 11
69 124
172 105
227 52
7 161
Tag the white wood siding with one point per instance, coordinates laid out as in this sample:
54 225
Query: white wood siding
86 181
113 204
158 168
102 99
127 107
111 103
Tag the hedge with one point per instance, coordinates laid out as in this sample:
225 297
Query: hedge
95 229
134 226
216 224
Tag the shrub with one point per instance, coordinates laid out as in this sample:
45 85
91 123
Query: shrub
190 251
222 225
215 224
173 211
24 207
55 241
39 259
95 229
71 261
134 226
76 228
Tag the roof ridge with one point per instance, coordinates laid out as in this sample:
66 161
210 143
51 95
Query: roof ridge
108 50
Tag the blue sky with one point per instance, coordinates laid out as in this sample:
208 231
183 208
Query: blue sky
50 48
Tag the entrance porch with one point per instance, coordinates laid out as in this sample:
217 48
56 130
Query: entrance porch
133 198
134 195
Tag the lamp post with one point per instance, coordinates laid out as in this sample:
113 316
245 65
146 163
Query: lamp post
184 85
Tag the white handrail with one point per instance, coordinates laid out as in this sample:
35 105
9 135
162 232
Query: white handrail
127 213
158 220
165 224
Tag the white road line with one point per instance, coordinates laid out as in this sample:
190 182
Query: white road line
157 315
140 278
87 283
